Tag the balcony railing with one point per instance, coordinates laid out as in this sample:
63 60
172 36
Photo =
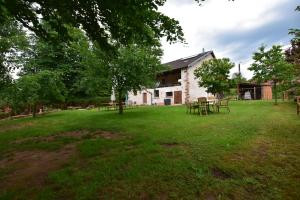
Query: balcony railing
169 85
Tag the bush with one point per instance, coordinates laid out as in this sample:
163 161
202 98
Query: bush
4 115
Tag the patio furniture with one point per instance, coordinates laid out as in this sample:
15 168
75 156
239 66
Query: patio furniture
223 103
212 102
189 107
298 104
203 105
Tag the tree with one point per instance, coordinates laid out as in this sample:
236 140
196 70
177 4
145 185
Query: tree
79 64
293 53
134 69
214 75
12 42
271 65
105 21
41 88
237 78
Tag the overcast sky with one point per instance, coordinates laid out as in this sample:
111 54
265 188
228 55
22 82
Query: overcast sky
231 29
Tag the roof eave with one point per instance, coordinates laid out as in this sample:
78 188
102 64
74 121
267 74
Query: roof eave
202 57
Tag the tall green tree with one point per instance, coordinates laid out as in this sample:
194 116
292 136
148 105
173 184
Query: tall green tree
293 54
42 88
134 69
271 65
13 42
79 64
214 75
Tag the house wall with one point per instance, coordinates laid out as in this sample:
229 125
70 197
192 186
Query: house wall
194 90
138 98
189 87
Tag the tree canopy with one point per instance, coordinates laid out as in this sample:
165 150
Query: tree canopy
271 65
41 88
74 62
214 75
12 43
107 22
134 69
293 53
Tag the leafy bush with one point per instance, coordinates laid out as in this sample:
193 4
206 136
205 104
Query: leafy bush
4 115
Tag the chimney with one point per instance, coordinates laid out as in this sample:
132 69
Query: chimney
203 50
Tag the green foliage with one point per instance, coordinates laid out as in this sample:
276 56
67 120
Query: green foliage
79 64
214 75
12 43
237 78
135 68
104 21
271 65
41 88
293 55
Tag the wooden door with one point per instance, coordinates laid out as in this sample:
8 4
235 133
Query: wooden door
177 97
144 98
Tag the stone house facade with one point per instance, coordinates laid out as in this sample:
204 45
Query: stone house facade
176 85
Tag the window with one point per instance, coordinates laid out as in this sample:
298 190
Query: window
156 93
169 94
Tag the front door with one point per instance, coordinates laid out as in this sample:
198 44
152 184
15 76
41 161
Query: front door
144 98
177 97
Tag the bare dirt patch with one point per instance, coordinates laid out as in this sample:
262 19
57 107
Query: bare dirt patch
74 134
210 196
30 168
16 126
81 134
171 144
219 173
35 139
107 135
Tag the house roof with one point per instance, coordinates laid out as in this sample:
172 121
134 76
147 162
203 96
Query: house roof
187 61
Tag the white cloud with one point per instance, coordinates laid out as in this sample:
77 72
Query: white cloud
210 26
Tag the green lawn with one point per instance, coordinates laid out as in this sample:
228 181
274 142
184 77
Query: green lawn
153 153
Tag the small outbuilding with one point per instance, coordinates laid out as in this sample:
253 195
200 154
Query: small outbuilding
254 91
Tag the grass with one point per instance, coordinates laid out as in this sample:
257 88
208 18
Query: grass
156 153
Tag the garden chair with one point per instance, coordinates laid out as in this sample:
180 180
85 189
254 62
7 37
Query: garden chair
298 104
192 106
223 103
189 107
203 105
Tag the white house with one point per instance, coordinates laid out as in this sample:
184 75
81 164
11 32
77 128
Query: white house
175 86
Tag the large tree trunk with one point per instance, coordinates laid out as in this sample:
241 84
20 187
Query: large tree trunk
275 92
120 102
